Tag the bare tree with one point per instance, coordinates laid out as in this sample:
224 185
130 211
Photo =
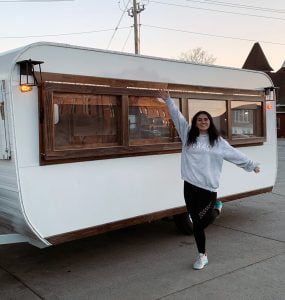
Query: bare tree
198 56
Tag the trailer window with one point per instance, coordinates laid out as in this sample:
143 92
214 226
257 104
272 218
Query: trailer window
216 108
84 121
246 119
149 121
97 118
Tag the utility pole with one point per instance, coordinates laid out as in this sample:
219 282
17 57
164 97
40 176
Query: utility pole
136 33
133 12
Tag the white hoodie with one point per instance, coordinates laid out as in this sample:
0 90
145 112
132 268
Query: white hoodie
201 164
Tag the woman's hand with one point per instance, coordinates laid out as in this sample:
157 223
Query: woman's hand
256 169
163 94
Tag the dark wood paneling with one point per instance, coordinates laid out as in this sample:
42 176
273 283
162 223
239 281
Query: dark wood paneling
112 82
248 141
117 90
281 130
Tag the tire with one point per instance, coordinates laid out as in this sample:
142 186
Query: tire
184 223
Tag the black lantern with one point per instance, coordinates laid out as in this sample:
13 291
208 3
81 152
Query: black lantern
27 69
269 92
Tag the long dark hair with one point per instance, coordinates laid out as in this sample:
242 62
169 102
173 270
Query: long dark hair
194 131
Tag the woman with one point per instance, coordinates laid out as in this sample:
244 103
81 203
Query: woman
203 152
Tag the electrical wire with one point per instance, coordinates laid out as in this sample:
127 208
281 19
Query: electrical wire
123 48
119 4
236 5
115 30
216 10
60 34
212 35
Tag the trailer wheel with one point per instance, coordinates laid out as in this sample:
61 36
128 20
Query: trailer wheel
184 223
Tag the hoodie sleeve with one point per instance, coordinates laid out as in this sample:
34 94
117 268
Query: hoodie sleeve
178 119
236 157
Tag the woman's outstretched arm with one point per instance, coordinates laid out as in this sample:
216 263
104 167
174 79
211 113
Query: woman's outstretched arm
179 120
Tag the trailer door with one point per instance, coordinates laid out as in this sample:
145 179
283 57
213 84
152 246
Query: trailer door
5 152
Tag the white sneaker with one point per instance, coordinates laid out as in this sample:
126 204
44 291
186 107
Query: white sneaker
201 262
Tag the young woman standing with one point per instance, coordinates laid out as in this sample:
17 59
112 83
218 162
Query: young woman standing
203 152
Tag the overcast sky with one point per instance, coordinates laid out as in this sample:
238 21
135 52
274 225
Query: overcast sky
262 21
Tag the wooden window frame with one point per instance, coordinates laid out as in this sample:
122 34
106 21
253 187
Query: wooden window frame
278 123
53 82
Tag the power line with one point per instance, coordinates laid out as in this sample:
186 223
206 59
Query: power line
22 1
115 30
123 48
60 34
236 5
216 10
212 35
145 25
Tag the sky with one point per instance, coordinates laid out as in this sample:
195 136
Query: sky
226 29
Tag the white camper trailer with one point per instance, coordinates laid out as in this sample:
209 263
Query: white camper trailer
86 148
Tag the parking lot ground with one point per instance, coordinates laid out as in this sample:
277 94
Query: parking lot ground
246 249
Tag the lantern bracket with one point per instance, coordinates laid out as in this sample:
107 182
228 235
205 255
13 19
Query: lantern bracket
27 69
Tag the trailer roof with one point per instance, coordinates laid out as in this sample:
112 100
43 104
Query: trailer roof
69 59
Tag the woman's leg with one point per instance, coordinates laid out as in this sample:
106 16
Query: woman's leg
209 214
200 204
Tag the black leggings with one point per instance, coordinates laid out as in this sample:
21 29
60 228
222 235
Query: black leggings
200 205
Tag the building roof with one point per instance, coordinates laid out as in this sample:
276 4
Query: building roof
256 60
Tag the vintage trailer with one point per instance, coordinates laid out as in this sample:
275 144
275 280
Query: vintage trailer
86 147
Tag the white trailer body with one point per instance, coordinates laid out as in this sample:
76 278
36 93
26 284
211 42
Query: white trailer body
52 203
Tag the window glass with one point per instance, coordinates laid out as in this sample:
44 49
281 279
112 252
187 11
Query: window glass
216 108
149 121
108 122
85 121
246 119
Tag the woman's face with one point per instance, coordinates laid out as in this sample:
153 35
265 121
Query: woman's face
203 123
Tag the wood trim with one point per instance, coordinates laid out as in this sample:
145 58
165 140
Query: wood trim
264 120
56 157
124 83
249 141
41 122
69 236
209 96
118 90
91 231
229 121
184 108
96 157
246 194
124 121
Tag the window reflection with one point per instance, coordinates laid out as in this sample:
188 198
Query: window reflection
246 119
84 121
149 121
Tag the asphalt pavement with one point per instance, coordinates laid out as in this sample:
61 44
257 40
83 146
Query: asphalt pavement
153 261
